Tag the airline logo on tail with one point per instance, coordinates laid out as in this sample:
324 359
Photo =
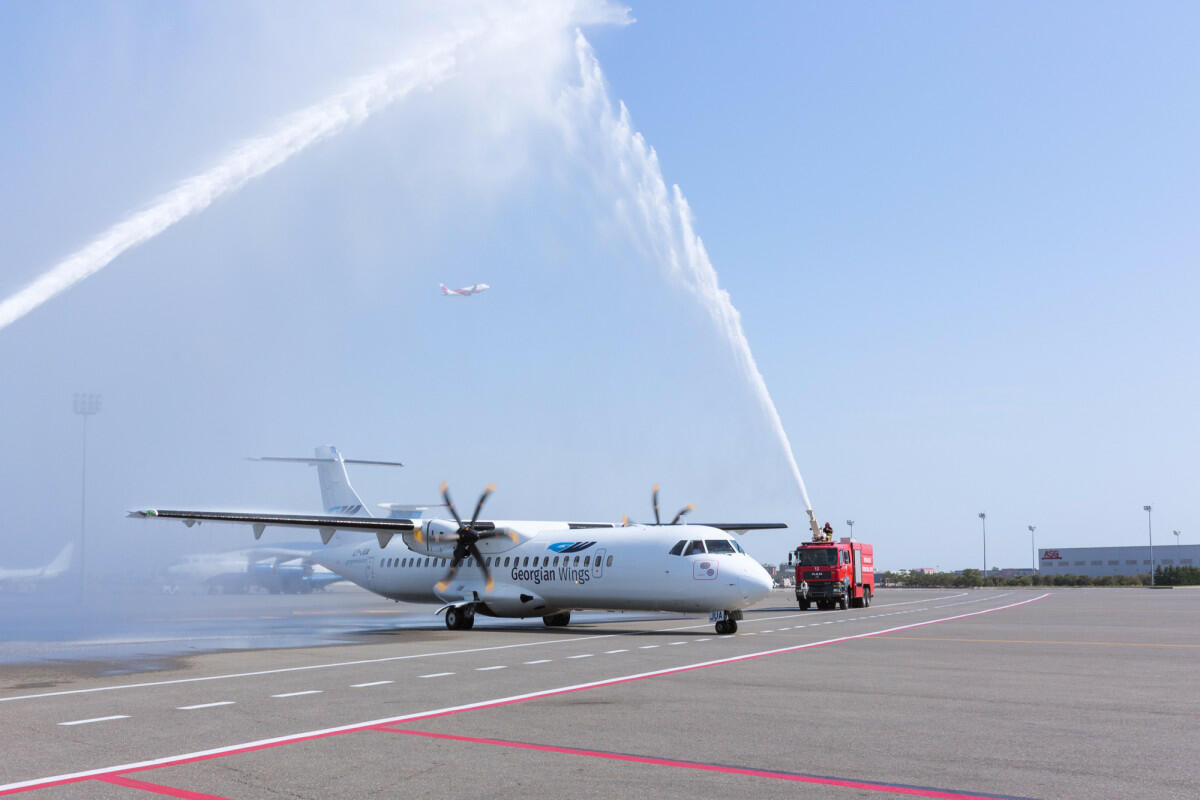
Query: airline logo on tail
465 291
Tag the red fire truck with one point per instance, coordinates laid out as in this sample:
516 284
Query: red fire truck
831 573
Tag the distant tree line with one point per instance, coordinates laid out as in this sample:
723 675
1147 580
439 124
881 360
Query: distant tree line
1163 576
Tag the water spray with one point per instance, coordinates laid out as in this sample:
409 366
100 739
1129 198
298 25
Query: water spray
667 219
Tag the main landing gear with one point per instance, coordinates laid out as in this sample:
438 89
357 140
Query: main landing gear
460 618
559 620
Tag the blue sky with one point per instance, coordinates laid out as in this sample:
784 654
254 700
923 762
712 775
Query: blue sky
961 238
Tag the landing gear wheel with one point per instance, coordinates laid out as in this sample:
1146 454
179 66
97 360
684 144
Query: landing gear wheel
731 626
468 618
455 618
560 620
804 604
722 628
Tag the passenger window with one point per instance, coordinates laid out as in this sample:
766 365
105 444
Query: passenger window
695 548
506 560
719 546
555 560
677 550
526 561
587 561
577 561
609 562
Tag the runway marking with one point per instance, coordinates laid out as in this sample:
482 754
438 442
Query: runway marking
297 694
705 639
647 646
277 741
611 652
797 777
489 669
540 661
205 705
674 644
360 662
95 719
1042 641
582 655
169 791
365 685
436 675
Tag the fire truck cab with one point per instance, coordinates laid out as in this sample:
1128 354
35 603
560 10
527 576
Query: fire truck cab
830 574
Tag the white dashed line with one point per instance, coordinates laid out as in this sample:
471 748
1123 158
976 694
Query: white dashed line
540 661
97 719
672 644
297 694
582 655
647 647
372 683
705 639
612 652
205 705
488 669
436 675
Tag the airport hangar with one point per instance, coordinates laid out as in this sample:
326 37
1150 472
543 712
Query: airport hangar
1096 562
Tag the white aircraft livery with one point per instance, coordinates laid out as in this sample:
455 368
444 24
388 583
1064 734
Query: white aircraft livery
57 567
465 291
508 568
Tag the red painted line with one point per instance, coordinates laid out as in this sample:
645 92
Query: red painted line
797 777
169 791
263 744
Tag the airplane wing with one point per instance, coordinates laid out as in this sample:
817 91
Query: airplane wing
743 527
383 527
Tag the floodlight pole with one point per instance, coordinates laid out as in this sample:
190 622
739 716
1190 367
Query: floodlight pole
850 524
1176 537
85 406
983 522
1033 547
1150 532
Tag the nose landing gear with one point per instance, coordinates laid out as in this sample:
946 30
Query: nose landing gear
726 621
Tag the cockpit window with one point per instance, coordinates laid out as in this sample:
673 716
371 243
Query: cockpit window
719 546
677 550
696 547
737 546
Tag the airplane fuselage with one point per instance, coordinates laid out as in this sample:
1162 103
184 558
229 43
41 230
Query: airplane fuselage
555 568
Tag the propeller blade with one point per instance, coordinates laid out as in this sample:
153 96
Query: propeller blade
487 573
624 520
450 505
491 487
657 521
444 583
686 509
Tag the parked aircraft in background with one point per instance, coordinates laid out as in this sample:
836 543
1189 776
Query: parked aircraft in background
287 569
525 568
466 291
23 578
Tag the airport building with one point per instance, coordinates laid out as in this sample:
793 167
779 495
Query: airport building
1097 562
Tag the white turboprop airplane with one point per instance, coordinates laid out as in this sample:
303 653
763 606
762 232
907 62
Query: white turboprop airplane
465 291
523 568
54 569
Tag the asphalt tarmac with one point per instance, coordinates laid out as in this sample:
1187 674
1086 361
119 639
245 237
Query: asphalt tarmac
1077 693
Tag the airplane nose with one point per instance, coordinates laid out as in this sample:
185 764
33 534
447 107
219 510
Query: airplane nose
755 584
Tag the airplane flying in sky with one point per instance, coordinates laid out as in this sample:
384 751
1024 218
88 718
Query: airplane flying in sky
31 575
465 291
522 569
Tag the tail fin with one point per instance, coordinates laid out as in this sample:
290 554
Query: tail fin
442 286
60 563
337 495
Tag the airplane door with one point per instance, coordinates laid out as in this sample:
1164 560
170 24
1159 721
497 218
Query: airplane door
598 564
371 570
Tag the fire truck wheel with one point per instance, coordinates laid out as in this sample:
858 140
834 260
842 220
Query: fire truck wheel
842 603
866 599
